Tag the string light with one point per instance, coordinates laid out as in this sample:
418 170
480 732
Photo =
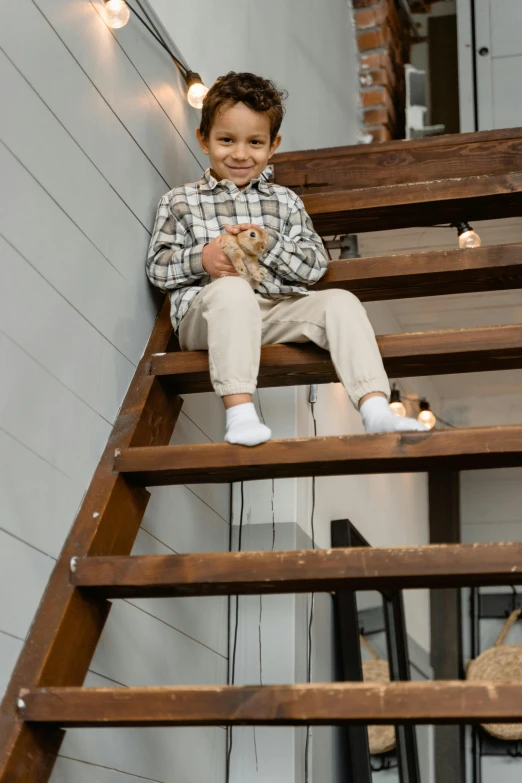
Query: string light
467 236
396 404
196 89
426 415
117 13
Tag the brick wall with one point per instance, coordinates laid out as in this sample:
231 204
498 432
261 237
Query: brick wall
384 46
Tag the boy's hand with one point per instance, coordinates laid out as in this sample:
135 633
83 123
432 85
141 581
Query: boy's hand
215 262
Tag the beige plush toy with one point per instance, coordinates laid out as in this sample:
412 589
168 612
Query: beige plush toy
244 251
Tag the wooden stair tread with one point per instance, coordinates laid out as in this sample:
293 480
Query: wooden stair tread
400 161
410 354
486 197
463 449
432 273
253 573
280 705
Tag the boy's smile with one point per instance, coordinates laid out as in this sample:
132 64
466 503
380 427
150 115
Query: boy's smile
239 144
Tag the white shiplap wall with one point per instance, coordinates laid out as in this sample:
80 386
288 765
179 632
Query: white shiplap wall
94 128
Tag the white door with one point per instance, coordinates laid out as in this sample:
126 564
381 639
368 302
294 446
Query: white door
498 26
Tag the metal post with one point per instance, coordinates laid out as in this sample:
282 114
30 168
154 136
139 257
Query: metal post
344 534
446 622
356 750
475 652
397 643
355 747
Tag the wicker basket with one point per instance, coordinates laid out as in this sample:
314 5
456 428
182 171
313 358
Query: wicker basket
381 739
501 663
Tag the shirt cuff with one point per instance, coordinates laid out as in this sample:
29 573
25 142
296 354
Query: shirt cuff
195 260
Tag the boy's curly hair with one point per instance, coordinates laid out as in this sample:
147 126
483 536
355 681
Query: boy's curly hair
259 94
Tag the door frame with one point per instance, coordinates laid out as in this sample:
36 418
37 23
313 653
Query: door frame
468 98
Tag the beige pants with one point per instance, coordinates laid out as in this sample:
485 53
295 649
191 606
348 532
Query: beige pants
232 321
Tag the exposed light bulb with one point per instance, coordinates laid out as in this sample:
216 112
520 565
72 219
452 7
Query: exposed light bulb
196 90
467 236
426 415
117 13
396 406
196 95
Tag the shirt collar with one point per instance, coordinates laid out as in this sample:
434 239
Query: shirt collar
261 182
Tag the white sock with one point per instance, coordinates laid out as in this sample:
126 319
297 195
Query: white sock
377 417
244 427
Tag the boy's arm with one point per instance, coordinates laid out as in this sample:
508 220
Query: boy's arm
299 254
170 264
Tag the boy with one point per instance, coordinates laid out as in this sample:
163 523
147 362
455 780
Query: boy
213 308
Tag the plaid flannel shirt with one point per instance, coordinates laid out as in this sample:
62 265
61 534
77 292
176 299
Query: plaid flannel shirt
190 216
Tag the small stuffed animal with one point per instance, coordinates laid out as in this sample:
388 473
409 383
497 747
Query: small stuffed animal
244 251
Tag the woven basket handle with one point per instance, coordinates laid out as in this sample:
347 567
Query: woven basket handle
367 646
510 622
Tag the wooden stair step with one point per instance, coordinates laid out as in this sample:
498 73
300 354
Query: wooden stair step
463 449
400 161
432 273
278 705
411 354
253 573
486 197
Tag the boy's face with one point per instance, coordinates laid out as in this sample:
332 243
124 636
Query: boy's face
239 144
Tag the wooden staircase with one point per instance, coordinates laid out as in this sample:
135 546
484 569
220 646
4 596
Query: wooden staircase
45 694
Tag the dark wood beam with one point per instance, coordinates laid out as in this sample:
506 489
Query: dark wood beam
432 273
466 449
446 622
275 705
405 355
247 573
487 197
400 162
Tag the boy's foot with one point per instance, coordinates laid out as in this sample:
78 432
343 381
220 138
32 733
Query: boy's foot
244 427
377 417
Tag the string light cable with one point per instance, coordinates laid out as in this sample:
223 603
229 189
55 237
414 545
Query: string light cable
312 398
232 677
117 15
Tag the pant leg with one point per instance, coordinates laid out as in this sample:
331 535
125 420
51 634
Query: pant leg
225 318
336 321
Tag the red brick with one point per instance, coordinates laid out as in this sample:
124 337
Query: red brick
372 17
375 59
374 96
374 39
376 117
